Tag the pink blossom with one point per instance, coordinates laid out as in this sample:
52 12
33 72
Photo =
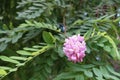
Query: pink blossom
74 48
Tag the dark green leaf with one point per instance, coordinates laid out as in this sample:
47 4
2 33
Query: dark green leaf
48 69
65 75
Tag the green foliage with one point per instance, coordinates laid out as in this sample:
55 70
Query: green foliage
39 25
48 37
101 39
34 8
89 71
97 21
26 55
13 35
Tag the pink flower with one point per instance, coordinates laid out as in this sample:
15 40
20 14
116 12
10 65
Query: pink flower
74 48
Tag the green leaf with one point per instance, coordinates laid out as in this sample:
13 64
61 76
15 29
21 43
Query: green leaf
117 19
16 37
42 50
102 40
48 69
106 73
18 58
100 44
14 69
97 72
28 22
2 72
5 27
111 77
76 68
49 62
116 54
22 52
107 48
104 70
48 37
99 78
79 77
111 70
11 25
100 63
88 34
8 40
20 64
5 67
78 22
88 73
3 46
30 49
54 56
7 59
88 49
60 51
87 66
65 75
37 46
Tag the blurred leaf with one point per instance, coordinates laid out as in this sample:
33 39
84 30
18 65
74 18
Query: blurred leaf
111 70
2 72
18 58
30 49
65 75
5 27
88 34
88 73
76 68
3 46
78 22
88 49
87 66
104 70
48 37
99 78
22 52
49 62
5 68
48 69
79 77
16 37
60 51
7 59
107 48
97 72
116 54
102 45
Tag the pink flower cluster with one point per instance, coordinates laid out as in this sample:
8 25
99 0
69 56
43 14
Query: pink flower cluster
74 48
